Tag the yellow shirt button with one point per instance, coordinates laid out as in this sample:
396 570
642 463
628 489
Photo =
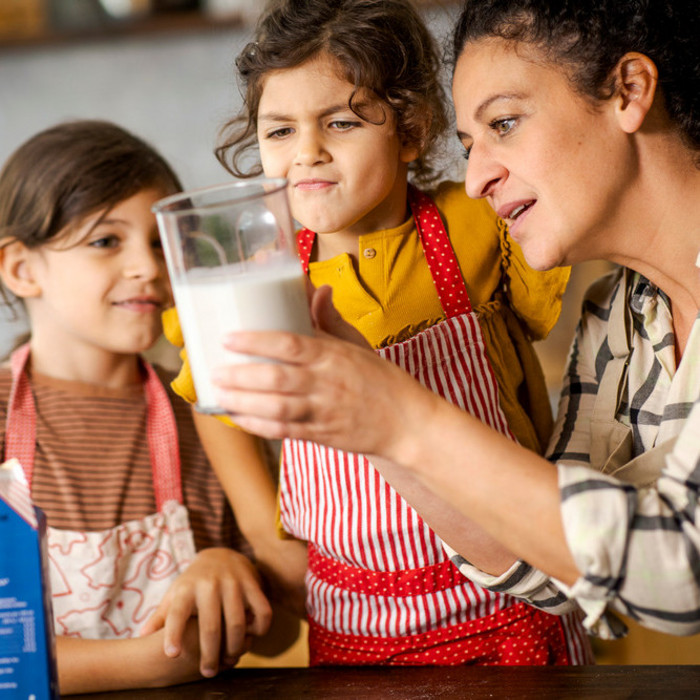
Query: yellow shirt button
369 253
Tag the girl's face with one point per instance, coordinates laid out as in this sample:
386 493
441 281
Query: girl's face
552 164
104 285
347 176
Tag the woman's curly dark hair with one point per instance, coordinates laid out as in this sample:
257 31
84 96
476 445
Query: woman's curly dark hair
380 45
590 36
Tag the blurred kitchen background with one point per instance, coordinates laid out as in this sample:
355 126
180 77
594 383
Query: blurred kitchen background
165 70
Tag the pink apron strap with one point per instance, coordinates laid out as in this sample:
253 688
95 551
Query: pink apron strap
438 251
20 424
161 429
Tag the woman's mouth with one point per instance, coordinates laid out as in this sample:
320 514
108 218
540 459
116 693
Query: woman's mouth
513 212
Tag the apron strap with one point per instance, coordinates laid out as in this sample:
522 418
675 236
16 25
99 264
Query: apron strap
161 429
20 423
438 251
161 432
439 254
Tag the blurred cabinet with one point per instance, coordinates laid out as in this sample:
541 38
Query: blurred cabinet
28 23
21 19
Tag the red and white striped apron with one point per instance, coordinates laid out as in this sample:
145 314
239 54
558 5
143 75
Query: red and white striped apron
380 588
105 584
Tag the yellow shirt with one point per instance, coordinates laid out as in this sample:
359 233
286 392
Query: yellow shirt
389 296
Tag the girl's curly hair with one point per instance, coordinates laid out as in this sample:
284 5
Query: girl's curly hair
380 45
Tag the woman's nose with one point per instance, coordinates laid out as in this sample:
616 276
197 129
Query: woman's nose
484 173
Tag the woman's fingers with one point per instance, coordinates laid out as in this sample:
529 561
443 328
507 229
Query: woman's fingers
320 389
274 345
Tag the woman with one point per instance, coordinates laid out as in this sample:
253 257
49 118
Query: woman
580 122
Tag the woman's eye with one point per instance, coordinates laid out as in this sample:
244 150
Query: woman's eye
465 152
503 126
110 241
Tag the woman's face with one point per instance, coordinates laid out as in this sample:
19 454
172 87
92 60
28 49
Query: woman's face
552 164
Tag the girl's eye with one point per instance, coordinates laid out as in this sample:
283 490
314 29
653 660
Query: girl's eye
503 126
465 152
279 133
343 124
109 241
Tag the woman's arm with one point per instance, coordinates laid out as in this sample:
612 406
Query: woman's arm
336 393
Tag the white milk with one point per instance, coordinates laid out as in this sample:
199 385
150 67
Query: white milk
212 302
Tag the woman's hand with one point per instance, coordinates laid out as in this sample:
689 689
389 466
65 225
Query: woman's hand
220 585
325 390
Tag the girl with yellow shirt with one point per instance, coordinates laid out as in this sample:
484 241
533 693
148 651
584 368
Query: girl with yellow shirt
344 100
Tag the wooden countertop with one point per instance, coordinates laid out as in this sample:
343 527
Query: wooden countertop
424 682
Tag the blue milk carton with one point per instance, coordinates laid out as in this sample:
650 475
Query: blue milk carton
27 642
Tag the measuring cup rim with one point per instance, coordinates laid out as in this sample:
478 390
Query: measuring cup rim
165 205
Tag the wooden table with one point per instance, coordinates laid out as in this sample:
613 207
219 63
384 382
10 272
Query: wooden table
412 683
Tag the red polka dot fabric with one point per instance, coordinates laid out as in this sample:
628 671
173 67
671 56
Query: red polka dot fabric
517 636
439 255
365 604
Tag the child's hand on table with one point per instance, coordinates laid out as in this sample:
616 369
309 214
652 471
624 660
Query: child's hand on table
220 585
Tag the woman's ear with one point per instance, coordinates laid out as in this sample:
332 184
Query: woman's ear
16 270
637 77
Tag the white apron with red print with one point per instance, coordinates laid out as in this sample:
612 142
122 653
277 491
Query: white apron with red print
380 588
106 584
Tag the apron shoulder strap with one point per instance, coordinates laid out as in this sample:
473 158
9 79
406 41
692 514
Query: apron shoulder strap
20 423
439 254
437 248
161 429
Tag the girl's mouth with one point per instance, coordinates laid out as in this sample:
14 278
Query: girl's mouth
313 184
143 305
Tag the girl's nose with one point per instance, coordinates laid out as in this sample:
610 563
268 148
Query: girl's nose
310 149
484 172
145 262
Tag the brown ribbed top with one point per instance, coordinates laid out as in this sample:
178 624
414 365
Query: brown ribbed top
92 467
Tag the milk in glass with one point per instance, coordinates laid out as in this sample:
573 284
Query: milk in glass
212 302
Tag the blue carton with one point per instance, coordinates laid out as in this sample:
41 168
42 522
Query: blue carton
27 641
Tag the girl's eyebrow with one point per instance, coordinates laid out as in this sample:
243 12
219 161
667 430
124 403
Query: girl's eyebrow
110 221
279 117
